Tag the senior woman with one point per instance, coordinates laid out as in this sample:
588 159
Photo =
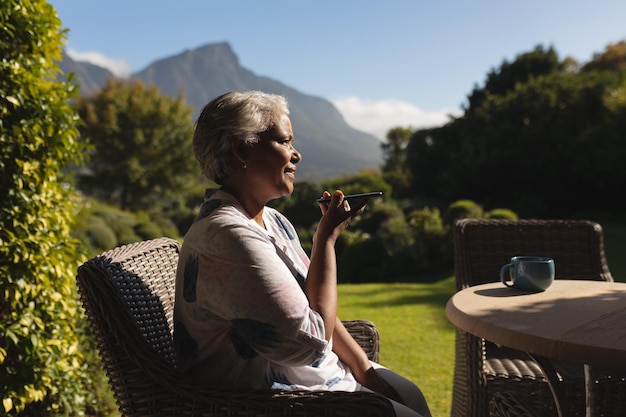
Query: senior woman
252 310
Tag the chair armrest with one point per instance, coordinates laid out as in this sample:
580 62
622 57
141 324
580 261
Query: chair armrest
366 335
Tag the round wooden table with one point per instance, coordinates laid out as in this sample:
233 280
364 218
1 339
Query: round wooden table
576 321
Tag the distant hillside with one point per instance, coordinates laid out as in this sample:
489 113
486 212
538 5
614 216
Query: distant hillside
91 77
329 146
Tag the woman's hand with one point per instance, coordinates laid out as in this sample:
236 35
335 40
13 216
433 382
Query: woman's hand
371 379
336 215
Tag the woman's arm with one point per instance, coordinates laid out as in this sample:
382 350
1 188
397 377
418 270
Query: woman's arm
351 353
321 283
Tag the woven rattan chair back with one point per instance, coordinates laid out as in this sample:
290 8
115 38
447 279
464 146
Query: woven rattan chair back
128 296
506 404
481 248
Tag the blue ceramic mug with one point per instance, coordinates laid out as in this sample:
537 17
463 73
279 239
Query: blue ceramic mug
529 273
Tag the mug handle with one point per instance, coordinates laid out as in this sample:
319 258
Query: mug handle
503 270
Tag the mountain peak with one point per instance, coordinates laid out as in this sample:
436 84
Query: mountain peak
330 147
217 53
220 49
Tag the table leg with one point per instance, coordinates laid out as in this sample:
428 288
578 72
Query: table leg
589 411
553 382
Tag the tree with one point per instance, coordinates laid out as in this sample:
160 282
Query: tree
300 207
543 138
428 156
549 147
42 371
142 144
394 160
612 59
525 67
363 181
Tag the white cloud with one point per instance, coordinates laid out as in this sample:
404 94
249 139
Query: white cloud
378 116
118 67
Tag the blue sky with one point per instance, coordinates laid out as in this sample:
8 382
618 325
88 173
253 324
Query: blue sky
382 63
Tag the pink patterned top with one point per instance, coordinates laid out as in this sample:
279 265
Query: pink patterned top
241 318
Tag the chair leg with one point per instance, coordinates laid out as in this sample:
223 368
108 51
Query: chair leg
553 381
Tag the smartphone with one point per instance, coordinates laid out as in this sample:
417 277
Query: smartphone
354 196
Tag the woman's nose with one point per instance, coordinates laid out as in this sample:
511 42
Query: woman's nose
296 156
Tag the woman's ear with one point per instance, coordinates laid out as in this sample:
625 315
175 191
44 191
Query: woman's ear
239 150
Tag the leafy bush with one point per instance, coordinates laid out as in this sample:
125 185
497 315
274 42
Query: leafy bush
377 215
462 209
102 227
300 207
100 234
433 245
364 181
182 212
501 213
42 368
391 244
362 261
165 227
121 222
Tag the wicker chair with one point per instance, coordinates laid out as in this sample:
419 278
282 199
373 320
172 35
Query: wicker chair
506 404
483 369
128 295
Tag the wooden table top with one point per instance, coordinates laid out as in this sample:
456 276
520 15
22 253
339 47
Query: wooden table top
576 321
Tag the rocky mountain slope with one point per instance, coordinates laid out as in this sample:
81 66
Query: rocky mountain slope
330 147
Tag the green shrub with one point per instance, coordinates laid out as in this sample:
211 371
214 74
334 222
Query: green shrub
426 221
432 246
306 238
42 369
366 180
104 227
395 234
148 230
182 219
362 261
166 227
462 209
501 213
376 215
347 238
101 236
395 246
121 222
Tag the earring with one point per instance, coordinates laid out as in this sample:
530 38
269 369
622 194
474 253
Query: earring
245 165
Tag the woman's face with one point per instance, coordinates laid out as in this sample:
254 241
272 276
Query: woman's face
271 162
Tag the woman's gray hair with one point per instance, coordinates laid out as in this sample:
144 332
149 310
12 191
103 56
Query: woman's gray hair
230 117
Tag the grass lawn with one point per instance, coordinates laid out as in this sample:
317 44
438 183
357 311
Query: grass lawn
417 340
